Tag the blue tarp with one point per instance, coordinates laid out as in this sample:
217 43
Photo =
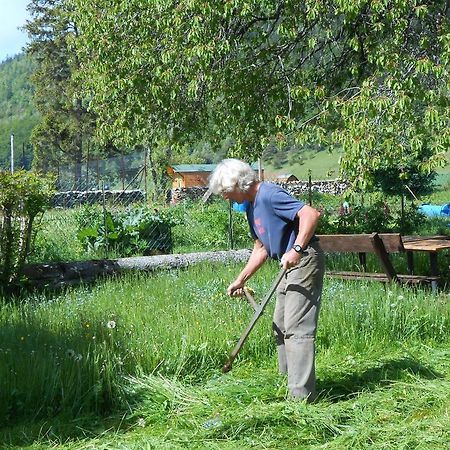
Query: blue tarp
435 210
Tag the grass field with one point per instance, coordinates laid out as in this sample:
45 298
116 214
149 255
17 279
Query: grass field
134 363
325 165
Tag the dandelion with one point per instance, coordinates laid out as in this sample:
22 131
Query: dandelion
111 324
141 422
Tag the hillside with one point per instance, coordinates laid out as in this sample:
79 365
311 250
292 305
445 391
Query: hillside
322 164
17 112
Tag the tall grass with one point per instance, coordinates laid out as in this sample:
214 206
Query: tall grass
77 352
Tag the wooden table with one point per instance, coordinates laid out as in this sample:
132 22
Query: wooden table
430 244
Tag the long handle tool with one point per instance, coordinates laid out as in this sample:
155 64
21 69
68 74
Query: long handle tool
258 313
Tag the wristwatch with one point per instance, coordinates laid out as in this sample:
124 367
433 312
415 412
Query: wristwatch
298 248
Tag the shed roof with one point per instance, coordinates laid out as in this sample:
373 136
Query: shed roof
186 168
193 167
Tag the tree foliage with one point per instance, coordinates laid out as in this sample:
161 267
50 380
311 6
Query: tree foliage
65 123
23 196
370 76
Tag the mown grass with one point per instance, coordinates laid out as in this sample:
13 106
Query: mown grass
134 363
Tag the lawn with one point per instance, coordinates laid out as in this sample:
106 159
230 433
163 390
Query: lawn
134 363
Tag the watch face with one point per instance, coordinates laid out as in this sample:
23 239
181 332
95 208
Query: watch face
298 248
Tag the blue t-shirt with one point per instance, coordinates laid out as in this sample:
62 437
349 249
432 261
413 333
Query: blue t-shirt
273 219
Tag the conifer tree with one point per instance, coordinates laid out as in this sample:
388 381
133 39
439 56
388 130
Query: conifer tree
65 123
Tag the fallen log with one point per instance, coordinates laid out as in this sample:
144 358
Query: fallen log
57 275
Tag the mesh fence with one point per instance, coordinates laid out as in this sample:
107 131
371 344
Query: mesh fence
111 214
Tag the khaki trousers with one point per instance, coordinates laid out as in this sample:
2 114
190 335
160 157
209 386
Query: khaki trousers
295 322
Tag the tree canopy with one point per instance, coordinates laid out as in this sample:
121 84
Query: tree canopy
65 123
369 76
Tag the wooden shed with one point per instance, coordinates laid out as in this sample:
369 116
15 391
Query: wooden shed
190 175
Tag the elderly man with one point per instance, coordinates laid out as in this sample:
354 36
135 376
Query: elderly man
283 229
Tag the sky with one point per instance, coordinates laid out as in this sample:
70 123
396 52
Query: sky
13 14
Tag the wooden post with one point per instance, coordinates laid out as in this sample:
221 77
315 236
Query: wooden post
87 167
122 169
382 254
145 173
309 187
98 174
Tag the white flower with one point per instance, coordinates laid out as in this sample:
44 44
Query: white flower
141 422
111 324
401 297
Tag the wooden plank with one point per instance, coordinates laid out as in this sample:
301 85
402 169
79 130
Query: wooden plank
392 242
427 245
359 243
361 276
346 243
383 256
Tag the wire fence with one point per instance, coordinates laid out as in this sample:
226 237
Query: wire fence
112 214
105 208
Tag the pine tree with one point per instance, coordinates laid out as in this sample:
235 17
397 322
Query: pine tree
66 124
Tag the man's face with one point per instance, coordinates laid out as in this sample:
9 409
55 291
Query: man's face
235 196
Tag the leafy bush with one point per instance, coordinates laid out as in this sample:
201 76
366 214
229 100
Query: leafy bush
375 218
23 196
137 230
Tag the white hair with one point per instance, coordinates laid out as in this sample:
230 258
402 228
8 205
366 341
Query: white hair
231 175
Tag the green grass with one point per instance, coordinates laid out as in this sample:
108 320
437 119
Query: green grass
323 165
134 363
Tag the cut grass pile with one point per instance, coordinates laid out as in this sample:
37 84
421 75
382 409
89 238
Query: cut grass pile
134 363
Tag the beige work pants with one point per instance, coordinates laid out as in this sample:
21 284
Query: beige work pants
295 322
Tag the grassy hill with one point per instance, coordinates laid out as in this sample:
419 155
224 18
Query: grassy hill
325 165
18 115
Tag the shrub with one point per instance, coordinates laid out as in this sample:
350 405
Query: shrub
23 196
131 231
375 218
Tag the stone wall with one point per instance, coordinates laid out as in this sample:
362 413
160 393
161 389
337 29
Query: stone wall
69 199
296 188
334 187
192 193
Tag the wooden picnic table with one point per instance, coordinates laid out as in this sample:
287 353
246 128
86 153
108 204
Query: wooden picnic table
429 244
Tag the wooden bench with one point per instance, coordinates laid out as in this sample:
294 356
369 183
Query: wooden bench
381 245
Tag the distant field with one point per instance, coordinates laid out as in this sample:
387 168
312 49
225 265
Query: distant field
325 165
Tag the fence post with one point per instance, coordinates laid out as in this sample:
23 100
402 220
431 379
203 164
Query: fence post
122 169
98 172
230 227
87 167
309 188
105 225
145 173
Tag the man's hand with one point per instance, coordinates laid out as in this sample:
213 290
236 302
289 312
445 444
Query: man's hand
236 288
290 259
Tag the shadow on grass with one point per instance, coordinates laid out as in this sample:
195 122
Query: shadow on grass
346 386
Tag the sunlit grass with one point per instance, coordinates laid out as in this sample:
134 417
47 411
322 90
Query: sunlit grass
135 363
